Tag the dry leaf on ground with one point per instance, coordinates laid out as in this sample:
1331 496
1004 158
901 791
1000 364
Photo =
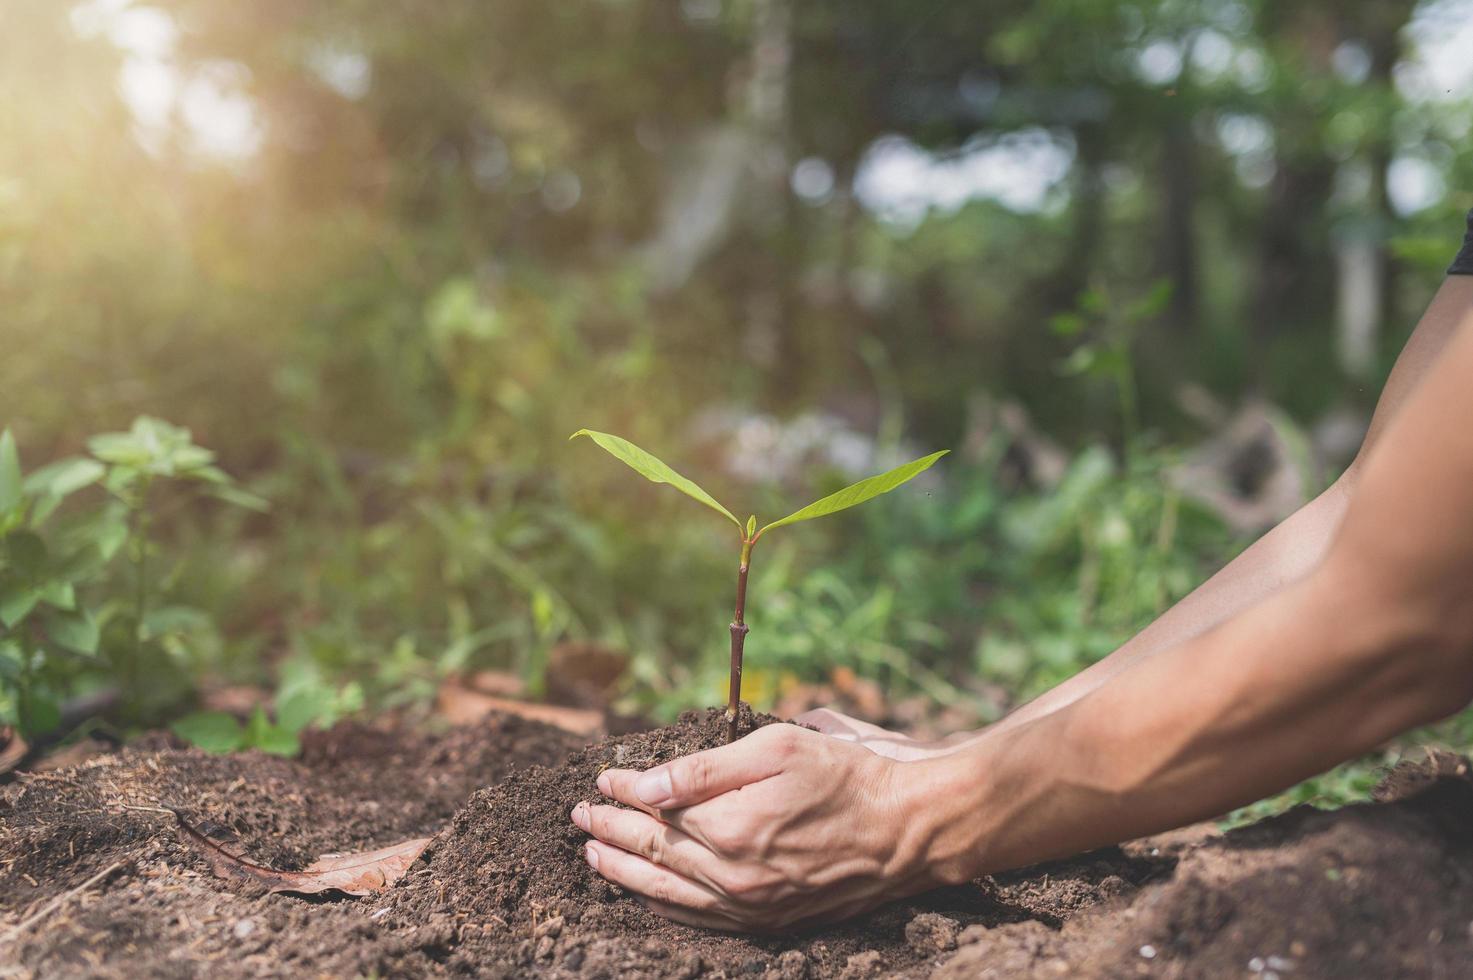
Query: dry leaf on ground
462 706
352 874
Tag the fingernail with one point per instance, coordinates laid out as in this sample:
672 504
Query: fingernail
591 855
654 787
580 815
605 786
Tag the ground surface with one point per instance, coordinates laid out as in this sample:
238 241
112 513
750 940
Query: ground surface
1368 891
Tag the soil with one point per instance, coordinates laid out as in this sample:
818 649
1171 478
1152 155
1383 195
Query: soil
1382 889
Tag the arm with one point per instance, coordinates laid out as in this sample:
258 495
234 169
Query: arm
1280 558
1292 549
1376 640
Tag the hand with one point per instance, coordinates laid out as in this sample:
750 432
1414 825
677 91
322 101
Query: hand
881 741
783 827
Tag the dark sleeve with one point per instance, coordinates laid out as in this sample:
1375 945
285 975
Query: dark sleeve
1463 264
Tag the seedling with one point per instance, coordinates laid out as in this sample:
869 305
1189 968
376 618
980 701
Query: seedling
656 471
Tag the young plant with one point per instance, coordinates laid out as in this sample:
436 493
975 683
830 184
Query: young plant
56 635
656 471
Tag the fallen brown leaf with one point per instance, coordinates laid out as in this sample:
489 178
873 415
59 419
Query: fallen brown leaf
496 682
461 706
352 874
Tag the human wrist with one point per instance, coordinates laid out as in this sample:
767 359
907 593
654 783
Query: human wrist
942 817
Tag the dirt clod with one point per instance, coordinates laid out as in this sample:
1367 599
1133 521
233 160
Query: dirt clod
930 933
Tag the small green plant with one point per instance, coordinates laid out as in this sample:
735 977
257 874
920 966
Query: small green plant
54 639
304 699
656 471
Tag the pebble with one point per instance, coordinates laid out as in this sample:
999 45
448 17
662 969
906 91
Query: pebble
1148 952
244 928
550 927
931 932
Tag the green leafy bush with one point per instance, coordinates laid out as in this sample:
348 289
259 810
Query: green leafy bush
67 623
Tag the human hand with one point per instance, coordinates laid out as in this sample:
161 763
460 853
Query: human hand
784 827
881 741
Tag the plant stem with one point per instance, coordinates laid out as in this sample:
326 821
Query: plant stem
140 595
739 630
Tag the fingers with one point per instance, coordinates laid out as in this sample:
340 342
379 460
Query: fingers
703 920
649 879
880 741
618 784
641 834
695 778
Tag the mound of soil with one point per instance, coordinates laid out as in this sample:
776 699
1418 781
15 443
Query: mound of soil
1382 889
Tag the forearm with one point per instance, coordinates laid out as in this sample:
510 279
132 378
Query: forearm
1376 640
1282 556
1297 684
1293 548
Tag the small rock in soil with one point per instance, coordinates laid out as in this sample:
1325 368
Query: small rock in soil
930 933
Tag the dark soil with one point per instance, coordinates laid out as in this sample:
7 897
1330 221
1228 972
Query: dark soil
1377 890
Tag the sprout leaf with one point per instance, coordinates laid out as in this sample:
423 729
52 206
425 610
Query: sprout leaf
858 493
653 469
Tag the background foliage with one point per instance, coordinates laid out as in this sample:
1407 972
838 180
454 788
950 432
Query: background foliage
383 258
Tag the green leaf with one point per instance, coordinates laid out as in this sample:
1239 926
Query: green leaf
65 476
16 603
1153 303
213 731
44 507
10 481
1067 324
859 492
26 553
74 631
110 532
120 449
152 446
237 497
12 661
304 705
40 711
261 734
652 469
62 595
1082 360
350 698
